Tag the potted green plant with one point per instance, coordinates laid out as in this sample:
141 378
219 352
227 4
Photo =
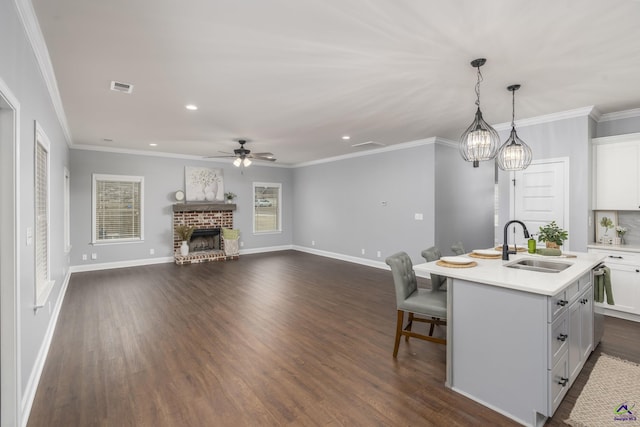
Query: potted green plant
552 235
184 232
229 196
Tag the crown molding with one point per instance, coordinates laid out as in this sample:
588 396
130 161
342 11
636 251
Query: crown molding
394 147
163 154
34 34
547 118
627 114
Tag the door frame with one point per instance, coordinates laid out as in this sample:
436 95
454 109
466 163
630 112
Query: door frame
566 164
10 392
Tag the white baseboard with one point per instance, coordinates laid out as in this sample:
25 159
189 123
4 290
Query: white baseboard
34 379
343 257
266 249
120 264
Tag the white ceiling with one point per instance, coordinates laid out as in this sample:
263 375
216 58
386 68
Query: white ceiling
294 76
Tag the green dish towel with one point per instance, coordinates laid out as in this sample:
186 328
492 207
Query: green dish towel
602 286
549 251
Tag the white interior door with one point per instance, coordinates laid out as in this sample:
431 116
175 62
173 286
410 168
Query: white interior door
540 195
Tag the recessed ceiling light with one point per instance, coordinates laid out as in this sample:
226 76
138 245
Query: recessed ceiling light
153 144
191 107
345 137
107 139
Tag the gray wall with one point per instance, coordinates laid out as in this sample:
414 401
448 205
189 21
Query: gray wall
21 73
338 205
563 138
464 202
162 177
618 127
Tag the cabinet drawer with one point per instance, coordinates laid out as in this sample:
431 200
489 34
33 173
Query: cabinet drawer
557 305
572 291
558 382
558 340
618 257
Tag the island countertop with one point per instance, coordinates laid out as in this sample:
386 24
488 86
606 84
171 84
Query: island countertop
494 272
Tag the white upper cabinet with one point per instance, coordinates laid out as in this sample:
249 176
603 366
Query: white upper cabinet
617 172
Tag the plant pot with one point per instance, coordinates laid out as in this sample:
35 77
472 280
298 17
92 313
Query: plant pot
552 245
184 248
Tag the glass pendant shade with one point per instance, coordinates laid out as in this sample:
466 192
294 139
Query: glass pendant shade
479 142
246 162
514 155
237 162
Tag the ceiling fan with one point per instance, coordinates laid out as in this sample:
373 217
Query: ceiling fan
243 156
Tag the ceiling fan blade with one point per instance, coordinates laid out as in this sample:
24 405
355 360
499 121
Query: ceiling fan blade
263 154
268 159
220 157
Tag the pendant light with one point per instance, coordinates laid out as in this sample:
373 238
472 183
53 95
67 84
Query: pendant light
514 155
480 141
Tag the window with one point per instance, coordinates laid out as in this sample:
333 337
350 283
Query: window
117 208
267 213
44 284
67 211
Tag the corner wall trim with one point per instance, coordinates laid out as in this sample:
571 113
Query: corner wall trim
34 379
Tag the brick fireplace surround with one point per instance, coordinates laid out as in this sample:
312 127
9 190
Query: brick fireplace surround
202 216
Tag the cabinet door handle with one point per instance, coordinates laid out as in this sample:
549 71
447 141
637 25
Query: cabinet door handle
562 302
616 257
563 381
562 337
637 271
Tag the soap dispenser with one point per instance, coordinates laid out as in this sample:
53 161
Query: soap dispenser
532 244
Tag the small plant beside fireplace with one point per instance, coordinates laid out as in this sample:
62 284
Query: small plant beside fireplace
184 232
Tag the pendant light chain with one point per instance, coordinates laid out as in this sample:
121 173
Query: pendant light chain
513 108
478 87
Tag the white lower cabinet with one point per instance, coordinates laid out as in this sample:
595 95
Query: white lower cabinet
625 280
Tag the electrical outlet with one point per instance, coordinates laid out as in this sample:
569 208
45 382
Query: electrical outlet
152 251
379 254
362 251
241 244
84 257
313 243
418 217
94 256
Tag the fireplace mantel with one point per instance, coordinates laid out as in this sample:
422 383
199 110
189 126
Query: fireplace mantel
203 207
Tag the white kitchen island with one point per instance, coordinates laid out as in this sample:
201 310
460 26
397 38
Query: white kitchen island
517 339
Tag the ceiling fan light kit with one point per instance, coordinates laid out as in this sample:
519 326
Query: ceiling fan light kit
514 154
244 157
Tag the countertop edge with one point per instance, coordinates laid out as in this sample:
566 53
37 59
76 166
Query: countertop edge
518 280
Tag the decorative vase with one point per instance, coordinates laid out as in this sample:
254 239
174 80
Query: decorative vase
617 240
229 201
184 248
552 245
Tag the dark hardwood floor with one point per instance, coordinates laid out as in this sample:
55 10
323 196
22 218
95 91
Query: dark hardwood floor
284 338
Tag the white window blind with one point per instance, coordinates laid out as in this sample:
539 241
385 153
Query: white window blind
42 216
43 282
267 212
118 202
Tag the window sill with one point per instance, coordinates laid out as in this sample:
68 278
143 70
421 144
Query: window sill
43 296
117 242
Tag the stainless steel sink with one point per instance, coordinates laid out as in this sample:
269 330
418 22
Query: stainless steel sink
540 265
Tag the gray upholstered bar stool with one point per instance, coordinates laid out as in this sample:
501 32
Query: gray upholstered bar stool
431 304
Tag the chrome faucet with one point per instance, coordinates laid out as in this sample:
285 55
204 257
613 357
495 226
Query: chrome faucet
505 246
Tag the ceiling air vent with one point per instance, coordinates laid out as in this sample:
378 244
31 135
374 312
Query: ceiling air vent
368 144
121 87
